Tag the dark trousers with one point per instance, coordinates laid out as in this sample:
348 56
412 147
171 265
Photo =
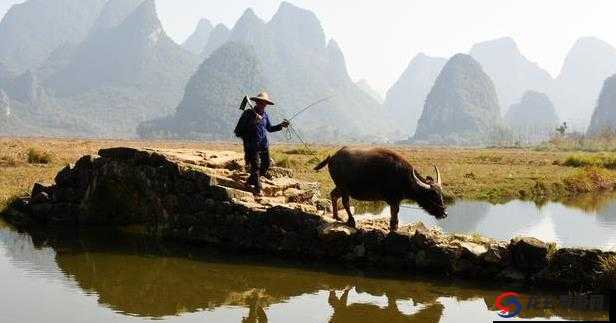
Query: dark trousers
258 162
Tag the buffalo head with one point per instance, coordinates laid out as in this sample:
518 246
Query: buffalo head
429 194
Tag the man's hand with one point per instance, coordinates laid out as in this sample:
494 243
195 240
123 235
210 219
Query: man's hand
285 123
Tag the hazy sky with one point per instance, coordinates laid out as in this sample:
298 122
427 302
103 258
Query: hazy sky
379 37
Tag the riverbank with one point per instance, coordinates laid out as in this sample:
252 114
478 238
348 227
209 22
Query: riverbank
495 175
197 197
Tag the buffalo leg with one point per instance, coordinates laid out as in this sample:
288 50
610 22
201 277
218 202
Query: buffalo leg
335 195
346 201
393 220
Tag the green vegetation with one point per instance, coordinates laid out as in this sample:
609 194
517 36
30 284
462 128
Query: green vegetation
36 156
585 160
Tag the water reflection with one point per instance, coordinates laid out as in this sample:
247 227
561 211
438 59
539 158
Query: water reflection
589 221
112 277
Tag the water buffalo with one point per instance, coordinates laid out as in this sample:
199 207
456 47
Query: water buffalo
381 175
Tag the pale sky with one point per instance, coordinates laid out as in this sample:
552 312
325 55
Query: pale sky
380 37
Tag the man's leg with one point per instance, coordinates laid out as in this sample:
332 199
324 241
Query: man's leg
252 159
264 164
265 161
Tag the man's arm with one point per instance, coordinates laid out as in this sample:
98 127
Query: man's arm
275 128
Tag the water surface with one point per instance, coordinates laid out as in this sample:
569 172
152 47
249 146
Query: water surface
587 221
111 277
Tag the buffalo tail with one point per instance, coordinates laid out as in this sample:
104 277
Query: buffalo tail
323 163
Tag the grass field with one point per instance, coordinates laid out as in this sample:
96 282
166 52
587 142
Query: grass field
495 175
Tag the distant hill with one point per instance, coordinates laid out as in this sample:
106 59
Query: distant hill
197 41
5 105
512 73
367 88
218 36
210 107
114 13
406 98
534 118
577 88
604 117
32 30
301 68
140 73
462 107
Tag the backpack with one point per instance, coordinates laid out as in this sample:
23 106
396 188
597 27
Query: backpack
242 125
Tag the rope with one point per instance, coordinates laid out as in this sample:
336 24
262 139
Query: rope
291 131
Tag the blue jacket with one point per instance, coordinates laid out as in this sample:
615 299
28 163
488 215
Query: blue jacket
253 130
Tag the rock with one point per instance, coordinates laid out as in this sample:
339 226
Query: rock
40 197
227 193
511 274
64 177
567 266
397 244
39 188
335 230
423 237
497 253
278 172
475 249
359 251
529 254
119 153
298 196
323 205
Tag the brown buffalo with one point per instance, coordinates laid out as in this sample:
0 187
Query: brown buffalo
381 175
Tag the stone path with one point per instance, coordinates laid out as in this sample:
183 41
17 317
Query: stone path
228 170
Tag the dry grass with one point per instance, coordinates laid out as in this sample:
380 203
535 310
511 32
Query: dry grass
488 174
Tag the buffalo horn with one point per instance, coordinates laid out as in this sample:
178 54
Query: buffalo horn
420 182
439 181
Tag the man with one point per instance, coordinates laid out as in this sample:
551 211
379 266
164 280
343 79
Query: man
252 128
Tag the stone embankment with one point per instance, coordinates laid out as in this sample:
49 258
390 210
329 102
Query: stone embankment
200 197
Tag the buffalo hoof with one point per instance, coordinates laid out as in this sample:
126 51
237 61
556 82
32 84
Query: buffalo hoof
351 222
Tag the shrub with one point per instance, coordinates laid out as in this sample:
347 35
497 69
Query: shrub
36 156
579 160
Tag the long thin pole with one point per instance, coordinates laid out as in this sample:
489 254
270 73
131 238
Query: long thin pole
310 106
